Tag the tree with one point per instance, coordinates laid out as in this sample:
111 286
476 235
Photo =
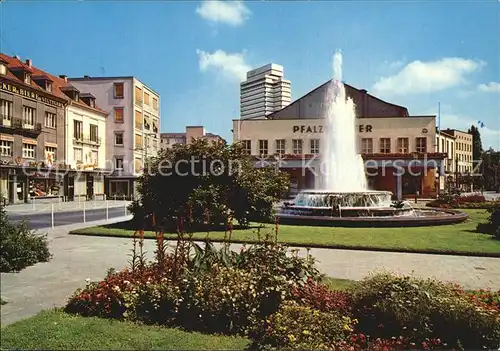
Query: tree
491 167
477 146
206 182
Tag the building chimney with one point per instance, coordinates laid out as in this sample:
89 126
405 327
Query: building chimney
28 62
64 77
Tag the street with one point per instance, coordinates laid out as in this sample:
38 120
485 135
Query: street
44 219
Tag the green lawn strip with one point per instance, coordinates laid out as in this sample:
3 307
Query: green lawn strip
55 330
337 283
447 239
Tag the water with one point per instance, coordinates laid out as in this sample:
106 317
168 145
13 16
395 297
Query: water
342 167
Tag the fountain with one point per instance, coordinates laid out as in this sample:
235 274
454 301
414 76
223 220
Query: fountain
344 197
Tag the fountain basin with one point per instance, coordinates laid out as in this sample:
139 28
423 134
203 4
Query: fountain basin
361 209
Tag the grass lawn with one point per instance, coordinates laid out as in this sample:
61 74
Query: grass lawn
55 330
454 239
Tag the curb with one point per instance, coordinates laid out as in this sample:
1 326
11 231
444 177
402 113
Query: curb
319 246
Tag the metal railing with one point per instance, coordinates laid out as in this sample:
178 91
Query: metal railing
86 139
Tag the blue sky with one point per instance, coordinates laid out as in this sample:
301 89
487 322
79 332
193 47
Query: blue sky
412 53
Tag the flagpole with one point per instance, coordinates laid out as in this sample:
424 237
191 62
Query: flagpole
439 125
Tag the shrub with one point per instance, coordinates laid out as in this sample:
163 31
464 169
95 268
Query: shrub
20 247
303 328
319 297
388 305
493 224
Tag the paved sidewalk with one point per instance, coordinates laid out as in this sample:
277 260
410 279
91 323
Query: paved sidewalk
64 206
77 258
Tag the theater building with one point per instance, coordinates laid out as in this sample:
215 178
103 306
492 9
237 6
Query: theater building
397 149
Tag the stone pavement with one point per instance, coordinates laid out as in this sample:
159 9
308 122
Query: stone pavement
76 258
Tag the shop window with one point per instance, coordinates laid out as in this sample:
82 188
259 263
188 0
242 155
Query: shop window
297 146
29 150
263 147
314 146
42 186
403 145
280 146
367 146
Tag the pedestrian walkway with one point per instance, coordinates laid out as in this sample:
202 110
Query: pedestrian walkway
77 258
64 206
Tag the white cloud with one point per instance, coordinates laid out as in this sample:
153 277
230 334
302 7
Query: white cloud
491 87
425 77
231 66
233 13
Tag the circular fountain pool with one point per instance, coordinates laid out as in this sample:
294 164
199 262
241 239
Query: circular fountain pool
361 209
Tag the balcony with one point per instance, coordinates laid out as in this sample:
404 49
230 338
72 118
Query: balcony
86 139
17 126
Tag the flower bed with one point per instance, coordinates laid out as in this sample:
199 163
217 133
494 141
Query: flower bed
277 300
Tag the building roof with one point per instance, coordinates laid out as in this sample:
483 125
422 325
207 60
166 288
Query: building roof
453 131
89 78
316 96
58 84
445 133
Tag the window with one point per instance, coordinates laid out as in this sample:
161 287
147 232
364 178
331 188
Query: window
138 141
6 110
367 146
403 145
50 119
137 165
27 78
314 146
48 86
280 146
94 157
29 150
118 138
5 148
77 130
155 103
3 69
50 154
94 132
421 144
138 95
263 147
297 146
118 114
247 146
78 154
118 90
138 120
385 145
119 162
146 98
29 114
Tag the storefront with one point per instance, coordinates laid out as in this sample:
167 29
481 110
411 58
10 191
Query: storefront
120 188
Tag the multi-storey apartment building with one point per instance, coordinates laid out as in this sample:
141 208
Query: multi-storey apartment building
398 150
446 143
133 127
168 140
35 109
264 91
463 159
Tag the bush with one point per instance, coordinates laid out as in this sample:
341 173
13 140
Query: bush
420 310
493 225
296 327
20 247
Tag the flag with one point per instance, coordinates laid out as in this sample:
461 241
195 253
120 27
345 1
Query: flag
481 124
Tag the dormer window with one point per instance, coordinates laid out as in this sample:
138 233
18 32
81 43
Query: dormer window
88 98
27 78
71 92
3 68
43 82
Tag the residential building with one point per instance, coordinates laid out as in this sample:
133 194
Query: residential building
390 141
34 106
168 140
133 127
446 143
264 91
463 159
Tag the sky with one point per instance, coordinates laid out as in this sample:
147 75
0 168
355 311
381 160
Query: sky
418 54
